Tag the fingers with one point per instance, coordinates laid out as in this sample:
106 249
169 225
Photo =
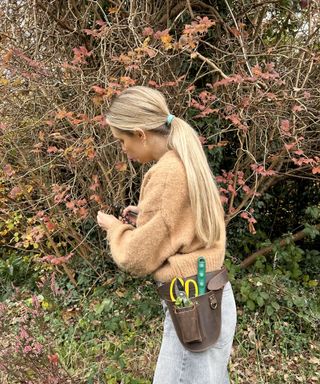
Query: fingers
130 208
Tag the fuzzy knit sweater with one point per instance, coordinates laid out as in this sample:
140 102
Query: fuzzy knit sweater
164 242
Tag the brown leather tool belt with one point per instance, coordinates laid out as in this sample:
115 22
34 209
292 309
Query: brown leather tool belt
198 326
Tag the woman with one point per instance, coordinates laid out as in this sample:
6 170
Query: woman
180 217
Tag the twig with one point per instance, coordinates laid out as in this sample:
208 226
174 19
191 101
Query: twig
209 62
239 38
190 9
250 259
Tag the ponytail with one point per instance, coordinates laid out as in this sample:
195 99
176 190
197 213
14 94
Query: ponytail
147 109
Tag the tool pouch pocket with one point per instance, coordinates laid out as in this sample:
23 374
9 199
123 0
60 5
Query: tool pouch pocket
198 327
187 320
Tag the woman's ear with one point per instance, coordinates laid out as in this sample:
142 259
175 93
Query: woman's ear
140 134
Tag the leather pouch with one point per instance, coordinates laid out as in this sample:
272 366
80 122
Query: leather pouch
198 326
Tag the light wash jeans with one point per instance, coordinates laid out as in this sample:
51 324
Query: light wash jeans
176 365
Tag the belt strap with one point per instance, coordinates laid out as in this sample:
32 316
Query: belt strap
214 280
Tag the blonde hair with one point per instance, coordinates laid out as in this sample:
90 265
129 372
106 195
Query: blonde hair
147 109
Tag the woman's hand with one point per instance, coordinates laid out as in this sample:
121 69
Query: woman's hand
106 221
130 214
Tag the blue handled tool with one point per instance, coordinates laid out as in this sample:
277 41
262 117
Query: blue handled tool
201 276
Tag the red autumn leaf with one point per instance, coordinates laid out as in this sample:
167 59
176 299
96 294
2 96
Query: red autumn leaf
202 140
82 202
90 153
50 226
235 31
246 190
220 179
297 108
96 198
260 170
200 25
15 191
256 70
271 96
148 31
99 90
234 119
112 10
121 166
52 149
224 199
56 261
232 190
151 52
153 83
8 170
237 79
76 121
306 95
70 204
285 125
127 81
80 54
159 34
191 88
316 170
83 212
7 57
61 114
245 102
93 32
101 23
303 160
288 147
244 215
95 183
101 120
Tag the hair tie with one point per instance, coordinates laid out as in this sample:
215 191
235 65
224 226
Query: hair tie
170 118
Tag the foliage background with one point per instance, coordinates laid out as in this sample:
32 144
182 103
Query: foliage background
245 74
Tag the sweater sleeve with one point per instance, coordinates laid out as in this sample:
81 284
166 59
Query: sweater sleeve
142 250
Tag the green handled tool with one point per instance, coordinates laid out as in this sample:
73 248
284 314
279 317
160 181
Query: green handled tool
201 276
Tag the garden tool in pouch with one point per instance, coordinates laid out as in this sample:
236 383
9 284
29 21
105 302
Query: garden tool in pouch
185 309
198 325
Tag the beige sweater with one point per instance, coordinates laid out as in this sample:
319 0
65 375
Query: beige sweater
164 242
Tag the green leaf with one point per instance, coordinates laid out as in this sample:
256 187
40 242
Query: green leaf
311 231
251 305
260 301
270 310
106 305
313 212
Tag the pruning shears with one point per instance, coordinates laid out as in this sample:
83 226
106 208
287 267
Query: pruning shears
180 291
117 211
